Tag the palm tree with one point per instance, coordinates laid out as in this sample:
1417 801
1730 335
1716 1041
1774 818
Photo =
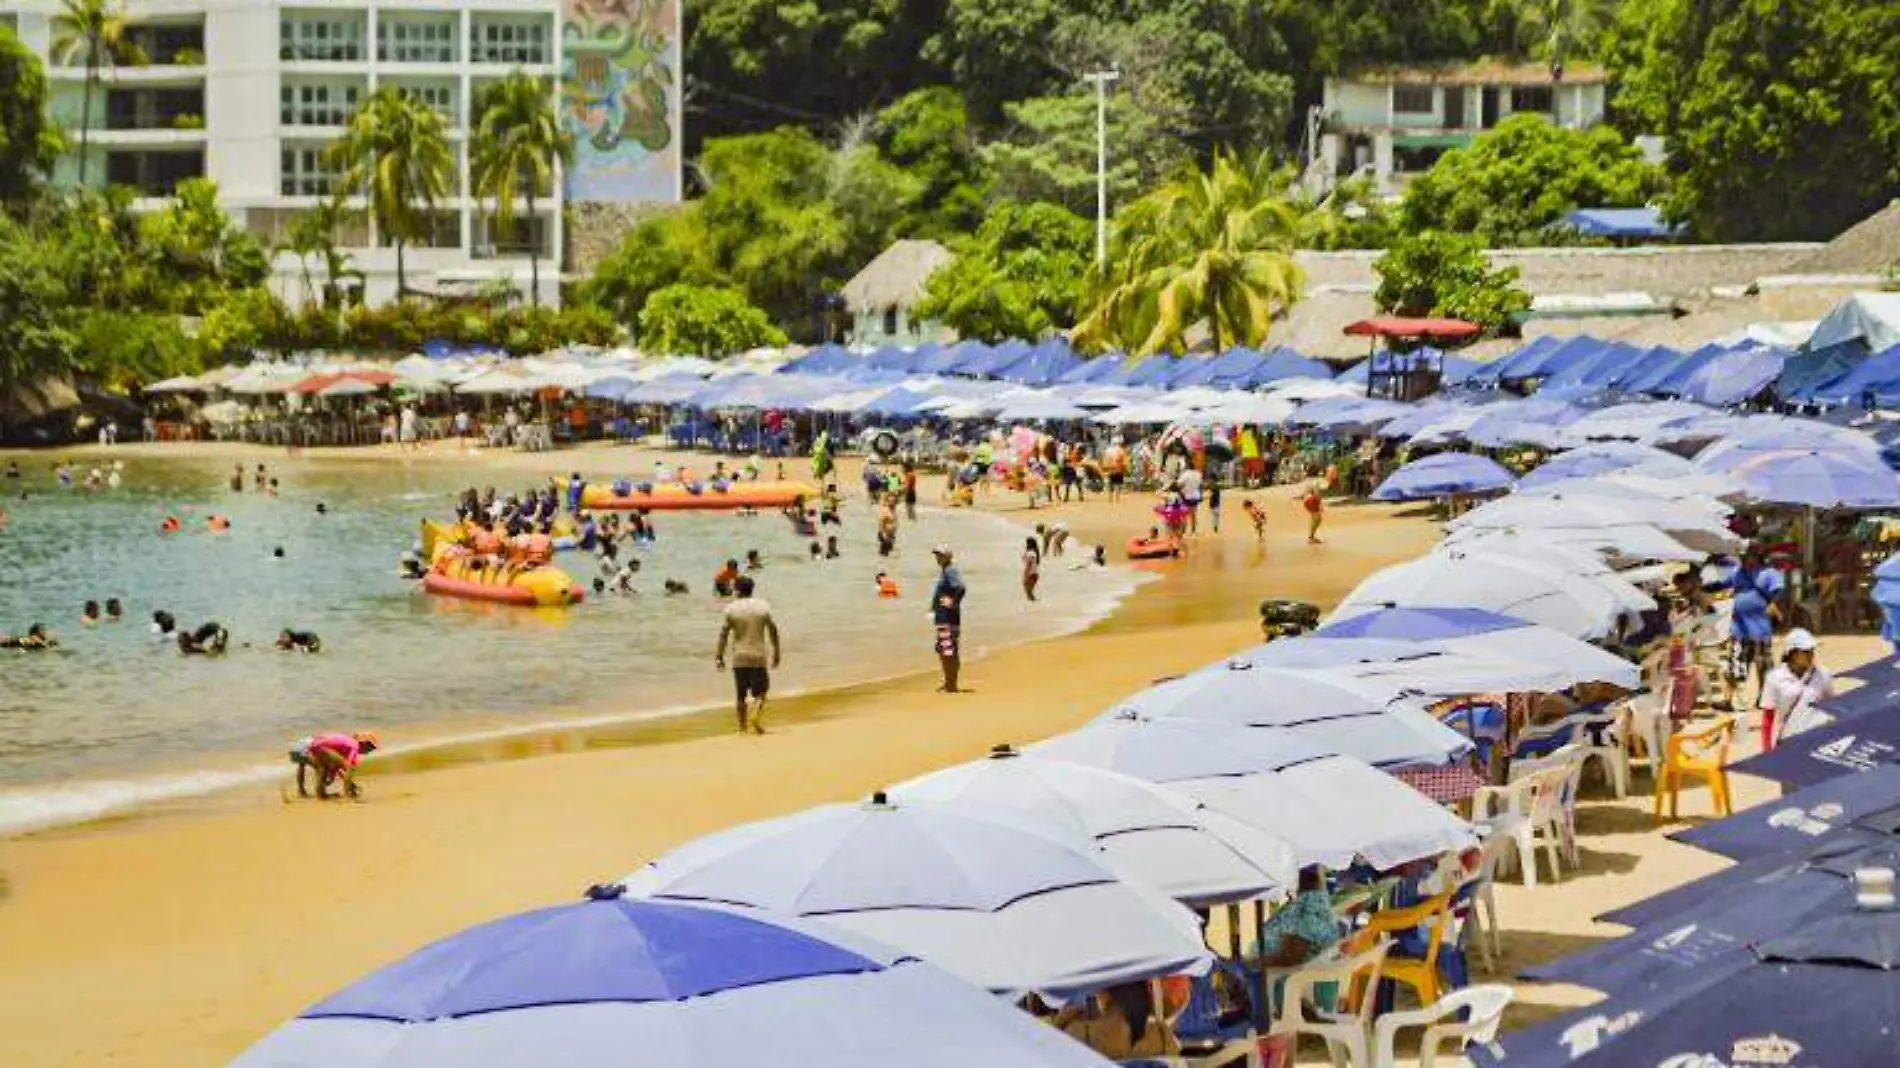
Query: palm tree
519 141
395 153
1212 247
91 32
312 233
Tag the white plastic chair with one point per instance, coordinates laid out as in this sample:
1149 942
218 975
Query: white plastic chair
1568 760
1348 1035
1600 738
1486 1003
1646 724
1478 916
1527 811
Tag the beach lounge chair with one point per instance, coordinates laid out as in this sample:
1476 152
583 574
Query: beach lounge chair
1700 751
1345 1026
1528 811
1463 1016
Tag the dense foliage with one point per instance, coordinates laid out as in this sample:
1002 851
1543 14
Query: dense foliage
1783 119
704 321
1512 182
1436 273
1020 276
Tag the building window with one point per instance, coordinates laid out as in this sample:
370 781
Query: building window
519 43
307 173
316 103
890 322
1454 105
1533 98
320 40
406 41
438 98
1413 100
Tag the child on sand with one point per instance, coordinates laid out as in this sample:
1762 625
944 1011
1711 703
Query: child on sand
1314 501
886 586
1259 517
1032 567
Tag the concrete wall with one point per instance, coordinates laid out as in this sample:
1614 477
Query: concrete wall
1665 271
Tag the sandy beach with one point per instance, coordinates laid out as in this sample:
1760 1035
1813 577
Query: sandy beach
177 936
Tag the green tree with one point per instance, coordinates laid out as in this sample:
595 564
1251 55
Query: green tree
395 152
663 249
704 321
1019 276
198 253
35 340
1782 119
1436 273
1351 216
1213 247
28 146
1049 153
519 141
1514 181
926 133
92 33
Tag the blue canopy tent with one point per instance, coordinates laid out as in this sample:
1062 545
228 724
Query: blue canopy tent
1734 376
1653 370
1226 371
1158 370
825 359
1044 364
999 357
1453 370
1876 374
1606 367
1571 352
1679 376
1525 356
1624 223
947 358
1283 363
898 403
892 358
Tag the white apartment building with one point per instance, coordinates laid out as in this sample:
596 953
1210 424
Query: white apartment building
248 93
1393 122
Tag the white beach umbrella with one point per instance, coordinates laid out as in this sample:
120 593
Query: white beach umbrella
1579 605
1328 711
1694 528
1628 544
1573 558
1010 907
1142 832
1482 632
180 384
1332 808
1699 492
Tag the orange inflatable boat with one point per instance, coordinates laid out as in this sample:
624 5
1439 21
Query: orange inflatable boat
694 496
1144 549
547 587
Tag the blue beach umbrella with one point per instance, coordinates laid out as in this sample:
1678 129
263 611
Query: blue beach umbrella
1673 947
1483 633
1443 475
1846 746
622 982
1819 479
1870 800
1605 457
1827 992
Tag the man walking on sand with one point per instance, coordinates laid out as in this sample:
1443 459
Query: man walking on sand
946 612
750 628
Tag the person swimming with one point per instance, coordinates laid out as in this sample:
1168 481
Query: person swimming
171 525
164 627
208 640
217 524
298 641
322 508
886 586
89 615
675 588
752 560
725 579
277 553
36 639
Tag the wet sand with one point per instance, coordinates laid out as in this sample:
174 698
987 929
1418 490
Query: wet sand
177 936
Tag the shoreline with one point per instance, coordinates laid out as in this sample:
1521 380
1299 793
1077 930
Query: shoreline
228 917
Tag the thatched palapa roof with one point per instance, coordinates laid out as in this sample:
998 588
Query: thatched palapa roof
895 279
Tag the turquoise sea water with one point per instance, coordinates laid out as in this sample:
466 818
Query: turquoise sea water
115 717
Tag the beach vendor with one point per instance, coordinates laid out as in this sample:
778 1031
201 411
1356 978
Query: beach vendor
334 756
1791 690
749 628
946 615
1753 614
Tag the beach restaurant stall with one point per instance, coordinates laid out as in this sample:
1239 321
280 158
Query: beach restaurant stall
1408 368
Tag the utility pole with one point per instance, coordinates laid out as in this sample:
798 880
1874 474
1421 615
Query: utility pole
1101 78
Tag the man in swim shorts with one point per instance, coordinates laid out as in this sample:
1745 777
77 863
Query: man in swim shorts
946 614
750 629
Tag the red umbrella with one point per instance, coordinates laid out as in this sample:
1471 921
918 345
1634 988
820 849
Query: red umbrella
1399 326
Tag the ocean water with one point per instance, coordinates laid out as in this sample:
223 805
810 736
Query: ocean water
114 718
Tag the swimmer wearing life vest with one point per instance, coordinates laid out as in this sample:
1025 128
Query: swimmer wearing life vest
171 525
217 524
886 586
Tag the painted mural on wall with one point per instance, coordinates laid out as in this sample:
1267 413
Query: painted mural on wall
620 96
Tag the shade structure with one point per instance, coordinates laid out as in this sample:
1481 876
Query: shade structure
1007 907
1482 633
1644 222
1332 808
1444 475
1734 377
1596 512
1402 327
1870 800
1371 666
1603 457
1819 479
1326 710
1746 439
1826 992
616 982
1844 747
1628 544
1141 831
1702 491
179 384
1579 605
1571 558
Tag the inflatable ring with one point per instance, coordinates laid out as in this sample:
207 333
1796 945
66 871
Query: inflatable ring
1143 549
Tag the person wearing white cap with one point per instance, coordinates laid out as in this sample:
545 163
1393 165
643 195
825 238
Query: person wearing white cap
1792 688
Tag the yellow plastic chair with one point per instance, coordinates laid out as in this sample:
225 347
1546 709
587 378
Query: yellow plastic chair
1699 751
1419 973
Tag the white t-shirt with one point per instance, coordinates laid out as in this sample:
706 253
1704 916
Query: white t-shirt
1793 698
1190 484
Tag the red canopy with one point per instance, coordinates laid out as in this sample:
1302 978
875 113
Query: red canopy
1396 326
318 383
